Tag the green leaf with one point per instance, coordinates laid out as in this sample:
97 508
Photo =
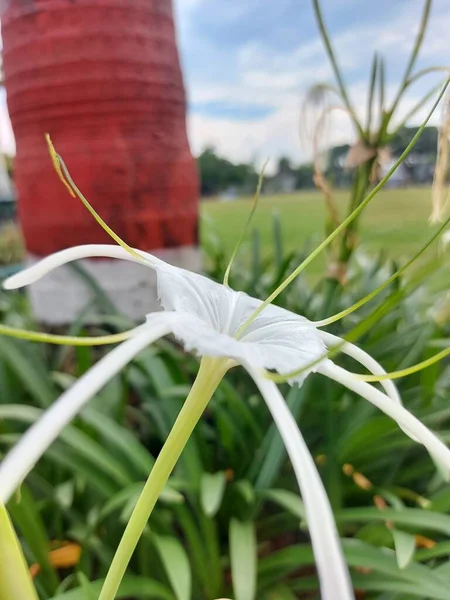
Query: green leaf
282 592
405 545
212 488
176 564
86 585
26 516
29 370
442 549
401 589
80 442
288 500
359 554
122 439
15 580
243 556
283 562
129 496
131 586
418 519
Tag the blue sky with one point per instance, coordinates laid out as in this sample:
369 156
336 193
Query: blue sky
248 64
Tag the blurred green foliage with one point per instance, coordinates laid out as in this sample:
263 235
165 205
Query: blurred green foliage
230 522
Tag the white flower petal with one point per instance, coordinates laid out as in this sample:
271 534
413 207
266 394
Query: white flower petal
199 337
48 264
277 339
183 291
32 445
403 417
364 359
370 363
286 342
334 578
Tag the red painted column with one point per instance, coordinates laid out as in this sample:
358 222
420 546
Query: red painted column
103 78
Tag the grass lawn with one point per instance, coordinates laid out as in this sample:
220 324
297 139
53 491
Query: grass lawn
396 221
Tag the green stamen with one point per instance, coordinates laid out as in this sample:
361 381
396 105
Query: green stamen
404 372
385 284
246 226
64 340
344 223
63 173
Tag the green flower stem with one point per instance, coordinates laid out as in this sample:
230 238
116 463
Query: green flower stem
15 578
412 59
337 72
209 376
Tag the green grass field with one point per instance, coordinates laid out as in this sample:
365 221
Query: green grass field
396 221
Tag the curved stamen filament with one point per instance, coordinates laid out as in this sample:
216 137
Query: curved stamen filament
64 175
65 340
246 226
344 223
278 378
385 284
404 372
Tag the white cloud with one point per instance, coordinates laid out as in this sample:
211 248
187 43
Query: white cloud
280 78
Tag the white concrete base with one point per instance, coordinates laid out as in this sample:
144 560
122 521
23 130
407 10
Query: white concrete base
60 297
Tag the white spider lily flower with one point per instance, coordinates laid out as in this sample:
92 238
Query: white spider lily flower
213 320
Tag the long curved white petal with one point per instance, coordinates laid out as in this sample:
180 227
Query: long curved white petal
48 264
334 577
364 359
403 417
370 363
32 445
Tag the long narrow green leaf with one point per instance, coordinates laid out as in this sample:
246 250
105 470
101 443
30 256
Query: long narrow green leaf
410 517
122 439
28 370
26 516
212 488
81 443
131 586
243 557
15 580
405 545
288 500
176 564
359 554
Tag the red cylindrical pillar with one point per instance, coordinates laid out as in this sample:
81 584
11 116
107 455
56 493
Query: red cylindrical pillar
103 78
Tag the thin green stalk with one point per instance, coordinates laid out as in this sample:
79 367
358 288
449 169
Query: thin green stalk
348 238
381 88
419 105
337 72
15 579
64 340
210 373
415 51
427 71
373 80
247 223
